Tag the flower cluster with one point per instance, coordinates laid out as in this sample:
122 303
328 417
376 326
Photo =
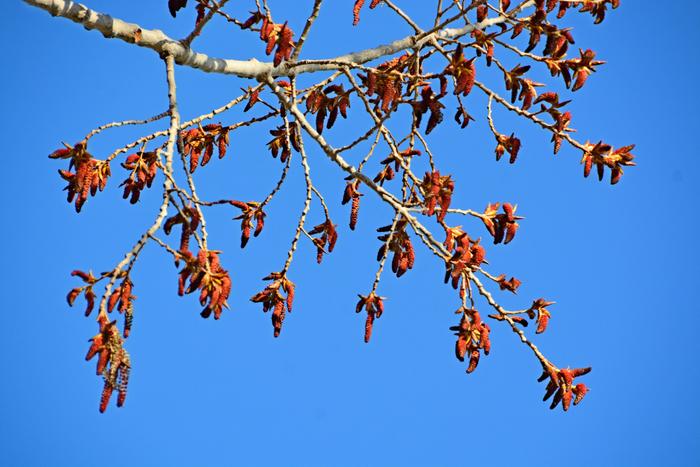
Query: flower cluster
561 120
143 167
86 290
595 9
249 211
279 36
374 306
429 102
576 70
329 236
272 299
398 242
321 103
205 274
510 285
387 83
392 164
463 70
358 6
502 227
122 299
522 89
199 142
113 362
472 337
188 217
438 191
485 43
561 386
467 256
284 140
539 310
603 155
90 174
351 194
509 144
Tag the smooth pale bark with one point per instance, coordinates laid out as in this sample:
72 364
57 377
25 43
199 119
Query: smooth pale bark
162 44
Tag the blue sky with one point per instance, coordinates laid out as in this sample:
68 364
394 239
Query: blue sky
621 263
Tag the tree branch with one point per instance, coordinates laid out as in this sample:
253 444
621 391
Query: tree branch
159 42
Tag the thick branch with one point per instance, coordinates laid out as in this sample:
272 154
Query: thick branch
162 44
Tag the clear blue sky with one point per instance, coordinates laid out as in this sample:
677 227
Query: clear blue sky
621 262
